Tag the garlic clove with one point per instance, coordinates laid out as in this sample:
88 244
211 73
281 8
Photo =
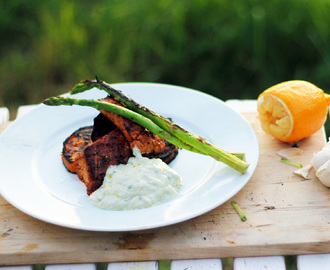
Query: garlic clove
303 172
323 173
321 157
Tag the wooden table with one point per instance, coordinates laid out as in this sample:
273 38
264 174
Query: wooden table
287 215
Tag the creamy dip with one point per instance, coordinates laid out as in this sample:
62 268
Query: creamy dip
140 183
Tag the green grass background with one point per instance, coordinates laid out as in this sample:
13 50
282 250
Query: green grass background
229 49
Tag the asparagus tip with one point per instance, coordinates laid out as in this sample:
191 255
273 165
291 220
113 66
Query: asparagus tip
56 101
51 101
84 86
79 88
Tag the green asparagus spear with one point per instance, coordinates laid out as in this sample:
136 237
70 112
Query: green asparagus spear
198 144
133 116
129 103
221 155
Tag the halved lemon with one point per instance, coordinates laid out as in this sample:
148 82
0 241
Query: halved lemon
292 110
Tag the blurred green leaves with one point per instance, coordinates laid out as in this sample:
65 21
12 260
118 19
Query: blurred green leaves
230 49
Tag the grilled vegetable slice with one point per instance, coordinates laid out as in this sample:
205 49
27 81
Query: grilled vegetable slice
74 145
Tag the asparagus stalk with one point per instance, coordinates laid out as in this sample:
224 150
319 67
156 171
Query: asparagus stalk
239 210
198 144
217 153
161 121
292 163
133 116
129 103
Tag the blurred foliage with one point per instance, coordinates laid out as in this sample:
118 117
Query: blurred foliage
230 49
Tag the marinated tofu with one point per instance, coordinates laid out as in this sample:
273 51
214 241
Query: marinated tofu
93 162
150 145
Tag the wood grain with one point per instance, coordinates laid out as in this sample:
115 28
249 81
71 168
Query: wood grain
286 215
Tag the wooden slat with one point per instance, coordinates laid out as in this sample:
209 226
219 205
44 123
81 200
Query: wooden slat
18 267
4 115
202 264
85 266
152 265
313 262
255 263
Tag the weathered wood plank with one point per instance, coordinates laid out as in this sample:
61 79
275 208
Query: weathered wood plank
286 215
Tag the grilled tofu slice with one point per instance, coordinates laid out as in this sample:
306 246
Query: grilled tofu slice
150 145
74 145
82 137
93 162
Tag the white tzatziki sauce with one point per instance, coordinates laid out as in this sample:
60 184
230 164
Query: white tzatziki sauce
140 183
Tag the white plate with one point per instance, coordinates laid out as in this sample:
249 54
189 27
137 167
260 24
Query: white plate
34 180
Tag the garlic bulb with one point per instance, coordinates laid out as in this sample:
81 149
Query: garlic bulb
321 164
323 173
321 157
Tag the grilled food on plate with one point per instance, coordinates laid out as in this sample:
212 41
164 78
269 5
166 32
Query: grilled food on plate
89 151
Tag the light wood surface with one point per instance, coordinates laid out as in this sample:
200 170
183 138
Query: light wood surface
285 215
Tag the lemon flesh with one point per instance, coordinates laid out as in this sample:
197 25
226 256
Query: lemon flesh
274 116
